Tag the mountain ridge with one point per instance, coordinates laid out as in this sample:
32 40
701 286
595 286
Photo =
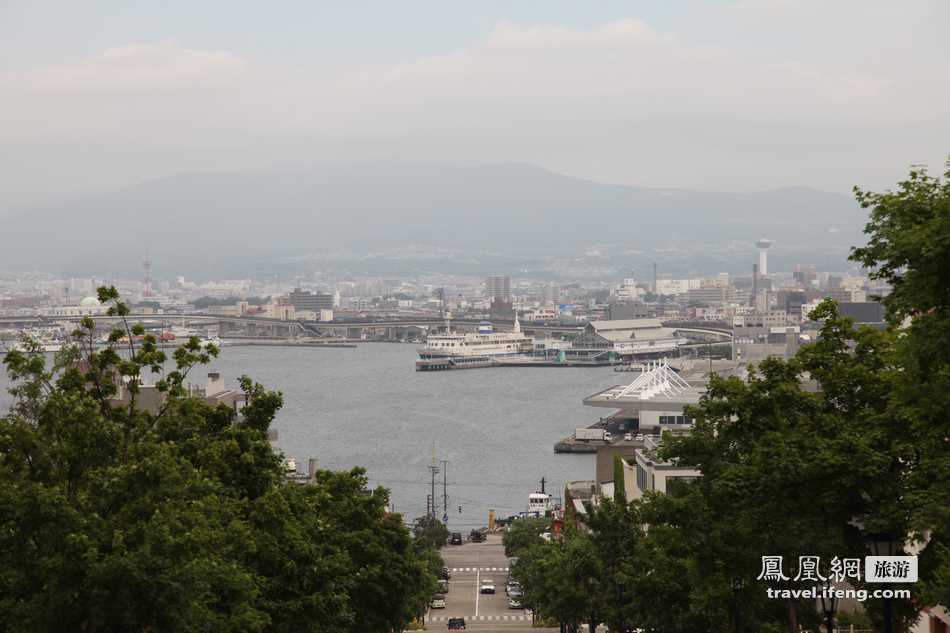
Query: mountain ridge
208 221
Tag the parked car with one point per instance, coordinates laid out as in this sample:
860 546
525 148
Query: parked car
477 536
456 624
438 602
514 603
513 588
456 538
487 586
444 573
443 586
628 437
608 437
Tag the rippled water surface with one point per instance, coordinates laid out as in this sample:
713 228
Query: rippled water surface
368 407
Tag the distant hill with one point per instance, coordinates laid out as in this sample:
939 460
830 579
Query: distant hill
214 224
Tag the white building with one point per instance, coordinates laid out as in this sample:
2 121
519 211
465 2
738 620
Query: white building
646 408
650 472
677 286
89 306
628 290
627 337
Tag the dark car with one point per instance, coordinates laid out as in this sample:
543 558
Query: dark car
456 624
456 538
444 573
478 536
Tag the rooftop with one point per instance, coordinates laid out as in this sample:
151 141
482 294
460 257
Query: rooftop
658 383
624 324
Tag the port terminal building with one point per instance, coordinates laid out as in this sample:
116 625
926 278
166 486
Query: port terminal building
626 339
643 410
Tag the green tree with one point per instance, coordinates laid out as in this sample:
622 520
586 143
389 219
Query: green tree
557 580
793 470
909 248
115 517
809 456
430 532
523 533
620 492
616 531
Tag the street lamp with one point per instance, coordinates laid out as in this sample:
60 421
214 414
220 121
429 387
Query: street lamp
738 584
884 544
829 605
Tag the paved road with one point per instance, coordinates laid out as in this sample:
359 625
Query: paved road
470 564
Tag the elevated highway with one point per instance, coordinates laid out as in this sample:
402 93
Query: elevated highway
702 330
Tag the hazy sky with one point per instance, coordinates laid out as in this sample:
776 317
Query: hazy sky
732 95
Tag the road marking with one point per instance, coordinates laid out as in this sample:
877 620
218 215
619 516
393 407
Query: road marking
481 618
478 591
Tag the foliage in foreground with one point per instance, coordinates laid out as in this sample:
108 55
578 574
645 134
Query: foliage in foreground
113 518
810 456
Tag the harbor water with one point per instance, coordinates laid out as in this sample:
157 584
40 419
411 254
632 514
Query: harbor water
369 407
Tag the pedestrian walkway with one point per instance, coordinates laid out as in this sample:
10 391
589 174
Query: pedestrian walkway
482 618
460 569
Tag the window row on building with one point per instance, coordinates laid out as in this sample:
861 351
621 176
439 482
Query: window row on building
675 419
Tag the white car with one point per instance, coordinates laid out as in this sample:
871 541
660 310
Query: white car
438 602
487 586
514 603
608 437
628 437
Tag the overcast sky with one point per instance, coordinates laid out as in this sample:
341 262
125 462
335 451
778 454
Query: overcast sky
732 95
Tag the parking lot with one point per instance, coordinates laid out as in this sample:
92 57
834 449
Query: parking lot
469 565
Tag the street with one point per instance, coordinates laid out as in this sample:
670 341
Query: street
471 564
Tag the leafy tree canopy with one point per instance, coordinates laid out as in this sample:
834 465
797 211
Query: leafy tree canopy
522 533
119 517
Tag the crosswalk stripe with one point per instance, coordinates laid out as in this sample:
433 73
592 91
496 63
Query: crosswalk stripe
481 618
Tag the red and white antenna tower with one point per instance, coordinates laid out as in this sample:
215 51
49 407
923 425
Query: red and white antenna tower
147 267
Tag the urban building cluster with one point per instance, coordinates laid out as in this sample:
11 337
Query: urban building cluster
624 315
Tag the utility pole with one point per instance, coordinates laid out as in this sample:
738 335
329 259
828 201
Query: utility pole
433 470
445 490
542 485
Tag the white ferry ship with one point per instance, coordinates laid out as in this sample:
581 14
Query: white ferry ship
453 350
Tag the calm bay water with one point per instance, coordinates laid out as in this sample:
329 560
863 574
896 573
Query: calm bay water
368 407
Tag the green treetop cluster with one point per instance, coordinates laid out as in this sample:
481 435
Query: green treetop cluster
811 456
114 518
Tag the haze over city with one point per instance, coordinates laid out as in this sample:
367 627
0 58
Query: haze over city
104 100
